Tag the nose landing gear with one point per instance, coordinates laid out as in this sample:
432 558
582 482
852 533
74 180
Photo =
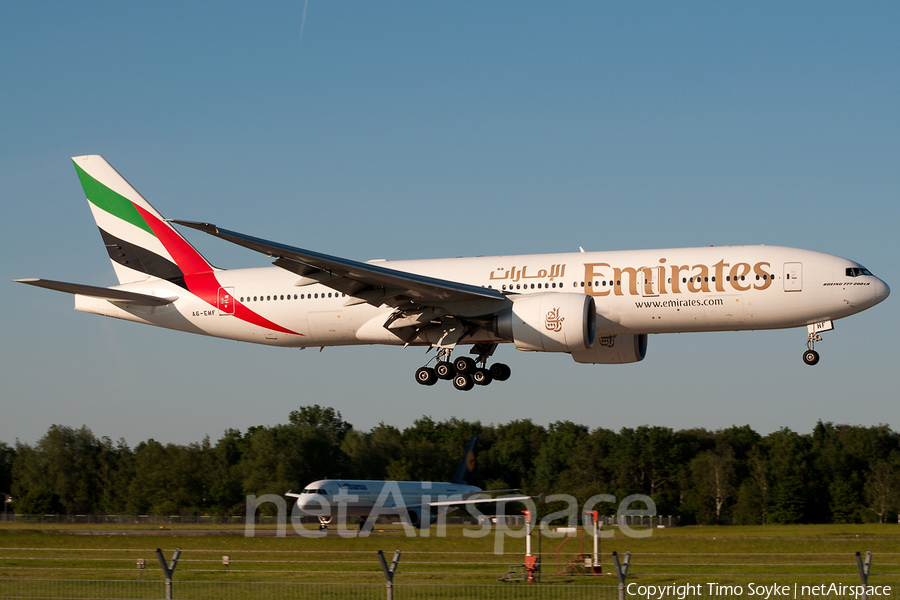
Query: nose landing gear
811 357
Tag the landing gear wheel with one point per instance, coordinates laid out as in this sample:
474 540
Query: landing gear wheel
426 376
500 371
811 357
482 377
444 370
463 382
464 365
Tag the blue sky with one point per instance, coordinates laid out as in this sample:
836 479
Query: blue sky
411 130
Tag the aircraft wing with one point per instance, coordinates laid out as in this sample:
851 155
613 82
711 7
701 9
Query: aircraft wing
479 501
365 282
112 295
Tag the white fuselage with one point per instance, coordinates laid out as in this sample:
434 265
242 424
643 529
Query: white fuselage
358 498
635 292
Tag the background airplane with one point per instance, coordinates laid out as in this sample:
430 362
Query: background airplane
599 307
417 502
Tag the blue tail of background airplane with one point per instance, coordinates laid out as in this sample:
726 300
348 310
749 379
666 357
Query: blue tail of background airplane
466 465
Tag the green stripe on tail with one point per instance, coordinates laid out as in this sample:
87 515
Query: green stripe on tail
106 199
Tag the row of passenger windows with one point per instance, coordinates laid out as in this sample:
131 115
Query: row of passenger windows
525 286
518 286
289 297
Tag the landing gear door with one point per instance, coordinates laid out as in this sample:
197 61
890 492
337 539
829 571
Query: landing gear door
225 301
793 277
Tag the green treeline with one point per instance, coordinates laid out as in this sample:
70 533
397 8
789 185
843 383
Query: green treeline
835 474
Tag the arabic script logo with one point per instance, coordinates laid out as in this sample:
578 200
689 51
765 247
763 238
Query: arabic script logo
554 321
607 341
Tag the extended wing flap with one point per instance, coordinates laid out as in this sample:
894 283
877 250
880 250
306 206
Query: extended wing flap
97 292
348 276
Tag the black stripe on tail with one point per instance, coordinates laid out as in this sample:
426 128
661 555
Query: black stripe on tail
141 259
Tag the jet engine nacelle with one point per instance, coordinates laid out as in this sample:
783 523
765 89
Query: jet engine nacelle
549 322
415 518
614 350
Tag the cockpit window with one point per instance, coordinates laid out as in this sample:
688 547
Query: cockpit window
857 271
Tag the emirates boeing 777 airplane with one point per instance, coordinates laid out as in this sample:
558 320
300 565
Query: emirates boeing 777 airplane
599 307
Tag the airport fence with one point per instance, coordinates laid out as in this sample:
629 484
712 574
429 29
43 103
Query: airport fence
69 589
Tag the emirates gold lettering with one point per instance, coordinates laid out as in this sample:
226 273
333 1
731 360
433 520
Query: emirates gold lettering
662 276
672 278
764 276
720 275
738 272
619 275
593 271
637 281
699 282
676 278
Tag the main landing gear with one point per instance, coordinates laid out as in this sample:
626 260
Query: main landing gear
464 370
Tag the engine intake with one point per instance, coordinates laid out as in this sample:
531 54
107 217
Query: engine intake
418 520
550 322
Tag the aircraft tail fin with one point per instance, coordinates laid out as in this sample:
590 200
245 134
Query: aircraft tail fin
464 473
140 242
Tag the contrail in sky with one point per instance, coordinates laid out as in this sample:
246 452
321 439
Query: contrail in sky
302 23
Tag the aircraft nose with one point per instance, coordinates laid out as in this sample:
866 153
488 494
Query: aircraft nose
882 291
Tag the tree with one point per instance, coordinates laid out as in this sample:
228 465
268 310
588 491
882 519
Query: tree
713 476
224 494
881 489
788 501
326 419
71 464
754 494
750 507
645 460
7 457
368 454
844 501
512 456
789 457
556 453
168 479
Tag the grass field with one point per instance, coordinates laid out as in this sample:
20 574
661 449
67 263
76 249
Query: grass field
727 555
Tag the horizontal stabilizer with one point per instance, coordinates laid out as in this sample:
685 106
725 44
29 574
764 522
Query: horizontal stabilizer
98 292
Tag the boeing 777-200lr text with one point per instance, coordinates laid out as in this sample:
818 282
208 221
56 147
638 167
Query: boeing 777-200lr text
597 306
